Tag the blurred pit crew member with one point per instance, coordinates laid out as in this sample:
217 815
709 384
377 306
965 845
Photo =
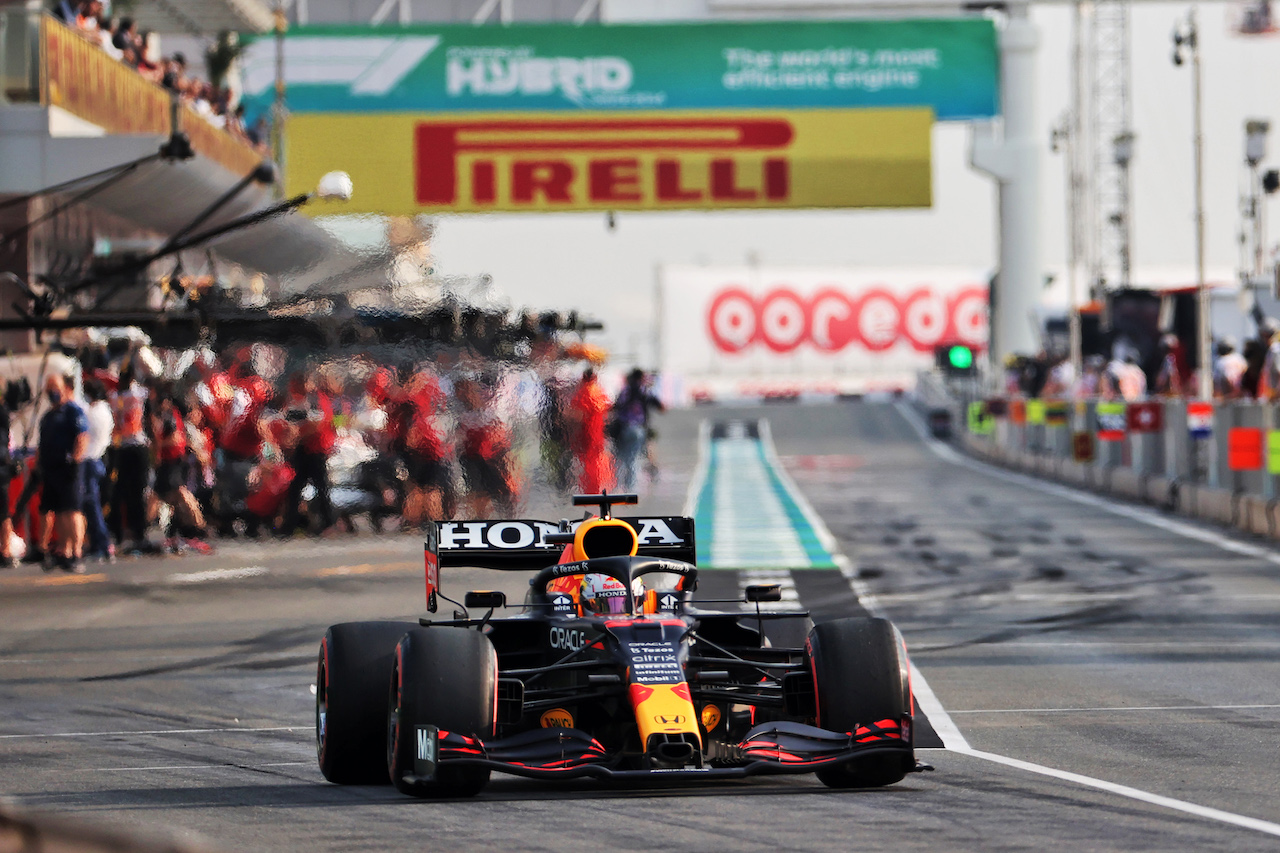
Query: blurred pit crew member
632 411
587 410
484 451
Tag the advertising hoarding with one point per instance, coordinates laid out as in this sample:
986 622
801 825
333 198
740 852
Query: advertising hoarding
751 331
404 163
949 66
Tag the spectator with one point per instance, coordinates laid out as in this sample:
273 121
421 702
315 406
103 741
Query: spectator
87 17
1228 369
122 38
147 66
64 441
1255 356
133 461
631 413
1174 376
1123 378
175 75
101 425
1061 381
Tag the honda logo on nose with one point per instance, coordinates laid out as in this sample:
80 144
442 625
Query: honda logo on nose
673 720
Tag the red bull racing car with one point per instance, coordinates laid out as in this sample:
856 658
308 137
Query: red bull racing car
609 669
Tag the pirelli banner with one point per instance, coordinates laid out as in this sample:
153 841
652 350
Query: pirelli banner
472 163
552 117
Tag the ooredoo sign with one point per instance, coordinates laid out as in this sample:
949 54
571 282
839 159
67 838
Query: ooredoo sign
776 330
875 319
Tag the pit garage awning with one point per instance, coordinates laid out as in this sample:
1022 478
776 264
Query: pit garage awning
201 17
164 197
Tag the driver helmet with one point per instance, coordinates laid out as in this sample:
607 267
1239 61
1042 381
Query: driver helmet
607 595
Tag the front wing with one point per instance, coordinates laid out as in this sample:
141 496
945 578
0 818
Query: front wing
769 748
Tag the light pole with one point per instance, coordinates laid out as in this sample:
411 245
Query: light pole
1255 151
1064 137
1122 153
1186 40
278 105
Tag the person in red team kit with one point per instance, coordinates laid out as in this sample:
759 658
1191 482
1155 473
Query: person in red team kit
170 430
240 441
587 411
425 451
311 411
484 451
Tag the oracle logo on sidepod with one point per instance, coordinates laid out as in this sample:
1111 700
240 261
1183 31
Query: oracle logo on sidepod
831 320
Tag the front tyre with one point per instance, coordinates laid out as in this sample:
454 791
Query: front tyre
447 678
351 700
860 673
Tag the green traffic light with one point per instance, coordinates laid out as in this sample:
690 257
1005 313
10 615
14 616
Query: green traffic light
960 357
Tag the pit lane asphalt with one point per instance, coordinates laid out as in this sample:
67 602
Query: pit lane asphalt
175 694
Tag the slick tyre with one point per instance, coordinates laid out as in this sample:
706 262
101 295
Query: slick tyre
447 678
351 700
860 675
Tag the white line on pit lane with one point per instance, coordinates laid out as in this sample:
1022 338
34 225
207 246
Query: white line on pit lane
1119 709
156 732
218 575
1132 793
1120 644
948 454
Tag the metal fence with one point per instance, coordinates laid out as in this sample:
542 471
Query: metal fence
1172 453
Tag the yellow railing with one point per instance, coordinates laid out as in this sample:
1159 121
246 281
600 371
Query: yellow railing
82 79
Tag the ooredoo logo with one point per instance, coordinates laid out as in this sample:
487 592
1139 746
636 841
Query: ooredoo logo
831 320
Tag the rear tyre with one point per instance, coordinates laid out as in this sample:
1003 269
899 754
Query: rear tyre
447 678
351 700
860 673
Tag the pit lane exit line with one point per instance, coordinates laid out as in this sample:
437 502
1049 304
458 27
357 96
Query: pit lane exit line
947 454
746 513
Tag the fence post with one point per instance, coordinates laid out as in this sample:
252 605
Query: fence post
1268 424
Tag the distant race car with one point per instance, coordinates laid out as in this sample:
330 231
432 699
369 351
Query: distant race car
609 670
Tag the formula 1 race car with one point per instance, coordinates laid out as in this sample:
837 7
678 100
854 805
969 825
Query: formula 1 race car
610 670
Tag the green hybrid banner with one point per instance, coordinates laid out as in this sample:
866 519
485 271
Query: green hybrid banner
949 66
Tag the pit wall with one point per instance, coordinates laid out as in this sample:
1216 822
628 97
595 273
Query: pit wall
1169 469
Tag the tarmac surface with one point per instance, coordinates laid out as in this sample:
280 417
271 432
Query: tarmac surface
1104 676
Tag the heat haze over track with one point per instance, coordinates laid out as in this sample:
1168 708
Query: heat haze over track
1104 683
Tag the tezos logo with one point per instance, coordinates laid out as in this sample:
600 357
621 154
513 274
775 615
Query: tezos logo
568 638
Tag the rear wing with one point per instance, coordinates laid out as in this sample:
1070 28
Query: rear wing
522 545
